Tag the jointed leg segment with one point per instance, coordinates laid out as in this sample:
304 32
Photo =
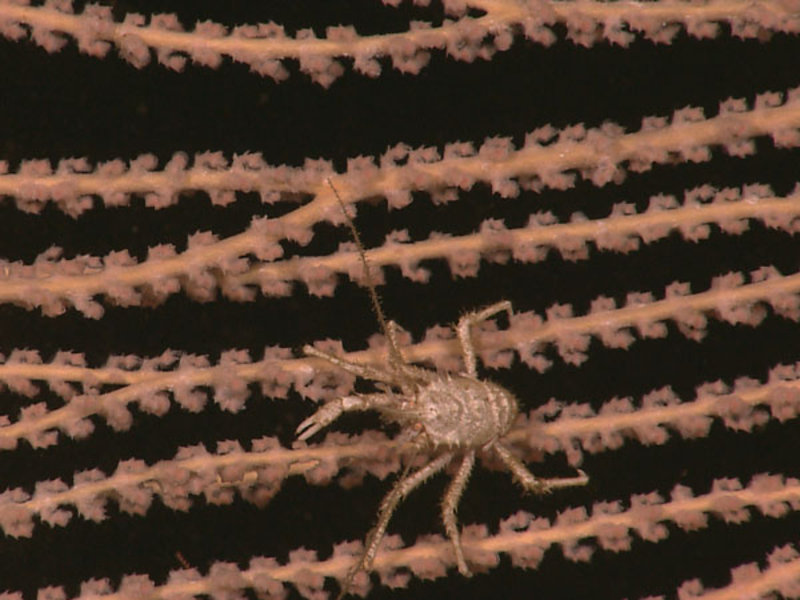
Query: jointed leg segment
356 369
464 331
400 490
529 481
400 373
450 505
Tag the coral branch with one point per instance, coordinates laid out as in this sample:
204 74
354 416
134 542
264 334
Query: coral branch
549 158
481 142
265 46
730 209
522 536
572 428
729 299
55 284
258 474
781 575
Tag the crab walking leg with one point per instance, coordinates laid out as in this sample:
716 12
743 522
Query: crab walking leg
449 506
356 369
563 482
332 410
401 489
464 330
531 482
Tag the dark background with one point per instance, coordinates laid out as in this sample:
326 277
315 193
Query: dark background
70 105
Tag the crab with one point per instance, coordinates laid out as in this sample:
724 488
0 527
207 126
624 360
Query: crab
449 416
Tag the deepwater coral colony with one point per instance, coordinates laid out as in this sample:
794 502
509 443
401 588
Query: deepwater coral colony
156 291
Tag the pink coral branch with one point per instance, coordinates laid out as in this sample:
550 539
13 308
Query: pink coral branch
265 46
522 536
258 474
729 299
548 158
55 284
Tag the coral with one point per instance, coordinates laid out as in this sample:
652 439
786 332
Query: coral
624 173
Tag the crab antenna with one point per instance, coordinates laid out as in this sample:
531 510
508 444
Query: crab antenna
394 353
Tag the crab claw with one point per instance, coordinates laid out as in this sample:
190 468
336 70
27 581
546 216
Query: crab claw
326 415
